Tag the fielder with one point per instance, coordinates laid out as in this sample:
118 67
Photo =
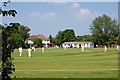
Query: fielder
105 49
33 48
117 47
82 48
20 51
29 52
43 50
65 47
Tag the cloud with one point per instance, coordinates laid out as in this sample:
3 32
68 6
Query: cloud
34 14
38 14
83 13
51 14
75 5
58 3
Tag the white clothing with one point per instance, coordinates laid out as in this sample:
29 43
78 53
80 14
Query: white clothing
105 49
33 48
64 47
82 48
20 51
117 47
29 52
43 49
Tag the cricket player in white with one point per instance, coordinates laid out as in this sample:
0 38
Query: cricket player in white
33 48
117 47
20 51
29 52
65 47
82 48
105 48
43 49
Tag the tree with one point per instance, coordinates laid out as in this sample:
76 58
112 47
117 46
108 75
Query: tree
104 30
38 42
7 12
24 31
67 35
8 45
15 34
118 42
50 37
11 39
83 38
59 38
54 40
118 39
7 66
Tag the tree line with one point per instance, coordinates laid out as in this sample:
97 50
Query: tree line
104 30
68 35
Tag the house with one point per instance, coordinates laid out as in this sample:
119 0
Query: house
45 40
78 44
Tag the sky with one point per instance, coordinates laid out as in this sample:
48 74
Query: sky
62 0
50 17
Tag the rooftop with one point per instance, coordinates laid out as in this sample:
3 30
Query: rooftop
40 36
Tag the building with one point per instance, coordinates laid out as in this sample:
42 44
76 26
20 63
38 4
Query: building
78 44
45 40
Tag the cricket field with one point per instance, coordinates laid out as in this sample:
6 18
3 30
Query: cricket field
70 63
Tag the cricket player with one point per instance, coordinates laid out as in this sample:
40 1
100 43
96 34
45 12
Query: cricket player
82 48
105 48
33 48
29 52
43 50
20 51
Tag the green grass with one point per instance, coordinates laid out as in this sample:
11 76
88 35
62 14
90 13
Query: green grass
72 63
